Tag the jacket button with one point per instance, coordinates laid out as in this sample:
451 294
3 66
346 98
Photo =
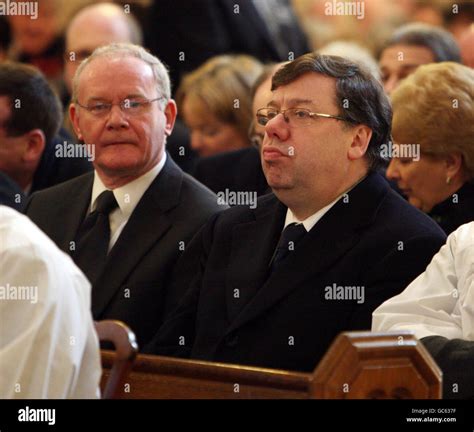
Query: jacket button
231 340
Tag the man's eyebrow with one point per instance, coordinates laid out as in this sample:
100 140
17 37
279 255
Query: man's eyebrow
293 102
135 95
130 96
95 99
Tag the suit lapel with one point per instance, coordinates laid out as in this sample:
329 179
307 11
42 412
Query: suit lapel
330 239
146 226
72 213
253 244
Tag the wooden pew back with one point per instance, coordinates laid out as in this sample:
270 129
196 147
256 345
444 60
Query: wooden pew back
358 365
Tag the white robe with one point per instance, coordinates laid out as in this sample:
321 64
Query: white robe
441 300
48 344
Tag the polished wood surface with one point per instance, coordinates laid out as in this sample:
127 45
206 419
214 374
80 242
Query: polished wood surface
121 361
357 365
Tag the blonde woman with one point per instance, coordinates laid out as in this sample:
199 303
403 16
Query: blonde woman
216 103
433 150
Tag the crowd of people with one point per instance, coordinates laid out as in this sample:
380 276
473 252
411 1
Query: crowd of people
236 185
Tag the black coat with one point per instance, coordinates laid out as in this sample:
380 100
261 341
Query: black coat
236 311
455 211
237 171
133 285
53 170
201 29
455 358
11 194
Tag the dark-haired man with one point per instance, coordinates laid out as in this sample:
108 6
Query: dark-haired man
274 285
31 148
413 45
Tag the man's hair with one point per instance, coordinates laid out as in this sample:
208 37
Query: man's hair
125 50
360 98
34 105
439 41
433 107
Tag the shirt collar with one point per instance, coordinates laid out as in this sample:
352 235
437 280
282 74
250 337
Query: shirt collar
128 195
312 220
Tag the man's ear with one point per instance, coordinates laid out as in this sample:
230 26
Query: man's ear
35 141
171 111
74 116
361 135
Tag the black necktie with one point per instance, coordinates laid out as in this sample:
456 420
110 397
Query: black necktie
289 239
93 237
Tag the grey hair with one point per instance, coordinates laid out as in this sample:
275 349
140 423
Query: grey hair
128 50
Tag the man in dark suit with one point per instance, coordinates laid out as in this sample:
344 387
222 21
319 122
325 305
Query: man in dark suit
125 224
201 29
31 148
273 284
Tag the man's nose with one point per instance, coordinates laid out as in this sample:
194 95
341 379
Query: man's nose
278 128
117 119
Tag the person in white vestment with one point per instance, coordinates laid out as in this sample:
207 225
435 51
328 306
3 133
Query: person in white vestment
48 344
438 306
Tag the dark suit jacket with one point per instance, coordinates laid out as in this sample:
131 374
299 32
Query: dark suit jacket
178 146
238 170
236 312
202 29
11 194
455 357
455 211
53 170
133 286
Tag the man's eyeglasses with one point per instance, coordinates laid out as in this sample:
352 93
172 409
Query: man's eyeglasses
293 116
132 106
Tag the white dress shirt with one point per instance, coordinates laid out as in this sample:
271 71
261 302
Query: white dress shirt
48 344
441 300
312 220
127 196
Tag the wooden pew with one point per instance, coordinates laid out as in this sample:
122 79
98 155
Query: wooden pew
358 365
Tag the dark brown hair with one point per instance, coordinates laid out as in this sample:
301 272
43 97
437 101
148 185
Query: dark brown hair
34 105
359 96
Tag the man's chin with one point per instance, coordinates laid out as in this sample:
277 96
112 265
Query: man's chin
117 168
